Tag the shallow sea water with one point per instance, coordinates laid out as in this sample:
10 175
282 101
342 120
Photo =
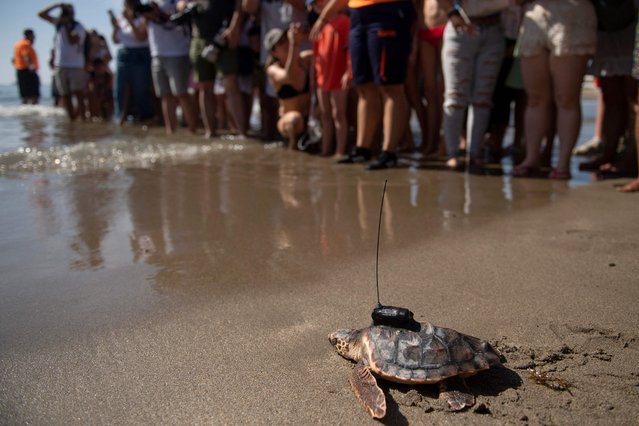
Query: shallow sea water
102 223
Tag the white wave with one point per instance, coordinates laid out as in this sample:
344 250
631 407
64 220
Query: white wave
114 155
8 111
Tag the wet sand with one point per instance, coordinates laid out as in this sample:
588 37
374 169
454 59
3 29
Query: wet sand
204 292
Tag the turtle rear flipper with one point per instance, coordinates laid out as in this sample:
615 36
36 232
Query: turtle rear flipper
367 392
455 393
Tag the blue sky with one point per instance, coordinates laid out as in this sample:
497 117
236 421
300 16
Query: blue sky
15 16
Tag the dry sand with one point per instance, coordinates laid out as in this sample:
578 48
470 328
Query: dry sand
204 293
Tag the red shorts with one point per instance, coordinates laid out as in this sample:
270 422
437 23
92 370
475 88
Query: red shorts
433 35
331 53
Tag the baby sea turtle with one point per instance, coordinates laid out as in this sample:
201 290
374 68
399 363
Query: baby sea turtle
430 354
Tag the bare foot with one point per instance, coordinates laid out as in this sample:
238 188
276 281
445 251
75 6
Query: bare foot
453 164
630 187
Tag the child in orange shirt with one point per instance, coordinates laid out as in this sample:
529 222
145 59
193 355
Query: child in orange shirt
330 52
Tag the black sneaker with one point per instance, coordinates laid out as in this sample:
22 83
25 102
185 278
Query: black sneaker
386 160
357 155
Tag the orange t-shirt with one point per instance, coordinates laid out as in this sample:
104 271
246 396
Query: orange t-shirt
331 53
361 3
23 48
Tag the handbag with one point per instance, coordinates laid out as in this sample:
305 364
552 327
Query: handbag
481 8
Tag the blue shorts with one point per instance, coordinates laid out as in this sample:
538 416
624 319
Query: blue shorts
380 41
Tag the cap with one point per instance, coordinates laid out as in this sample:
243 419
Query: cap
272 38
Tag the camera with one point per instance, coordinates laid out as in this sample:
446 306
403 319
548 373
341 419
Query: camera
212 51
141 8
184 17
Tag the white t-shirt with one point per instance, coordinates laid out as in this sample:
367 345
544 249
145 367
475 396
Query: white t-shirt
166 39
126 36
69 55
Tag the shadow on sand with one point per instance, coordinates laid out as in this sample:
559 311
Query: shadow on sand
488 383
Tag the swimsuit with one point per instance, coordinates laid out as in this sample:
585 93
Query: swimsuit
433 35
287 91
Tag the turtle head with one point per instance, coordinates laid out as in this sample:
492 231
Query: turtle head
347 342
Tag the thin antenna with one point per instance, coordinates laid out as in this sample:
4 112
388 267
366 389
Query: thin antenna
379 229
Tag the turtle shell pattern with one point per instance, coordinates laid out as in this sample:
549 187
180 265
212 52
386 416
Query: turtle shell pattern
427 356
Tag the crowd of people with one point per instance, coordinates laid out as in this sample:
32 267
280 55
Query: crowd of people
328 73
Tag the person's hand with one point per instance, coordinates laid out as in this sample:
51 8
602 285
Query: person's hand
296 34
232 35
460 25
154 13
346 80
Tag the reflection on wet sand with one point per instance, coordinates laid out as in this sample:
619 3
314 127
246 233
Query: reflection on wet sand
91 198
252 220
264 218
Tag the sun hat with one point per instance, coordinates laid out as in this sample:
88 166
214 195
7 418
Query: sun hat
272 37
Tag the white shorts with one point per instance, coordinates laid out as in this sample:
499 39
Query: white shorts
171 75
70 80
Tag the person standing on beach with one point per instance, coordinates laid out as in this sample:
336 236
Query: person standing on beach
69 57
555 42
133 74
330 53
380 44
25 60
170 64
433 15
215 29
473 50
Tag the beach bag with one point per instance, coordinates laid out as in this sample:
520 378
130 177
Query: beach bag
614 15
481 8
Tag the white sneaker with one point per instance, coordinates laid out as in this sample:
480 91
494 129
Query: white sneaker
593 147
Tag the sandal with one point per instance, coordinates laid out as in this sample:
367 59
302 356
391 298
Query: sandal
524 171
559 175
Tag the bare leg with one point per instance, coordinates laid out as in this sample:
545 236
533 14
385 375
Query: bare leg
634 185
536 75
395 115
67 101
188 109
339 99
234 99
291 126
567 75
369 113
168 113
81 109
430 62
328 129
414 98
207 108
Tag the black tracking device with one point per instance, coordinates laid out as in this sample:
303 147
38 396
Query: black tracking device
390 315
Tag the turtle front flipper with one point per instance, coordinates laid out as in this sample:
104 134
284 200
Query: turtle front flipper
367 392
455 393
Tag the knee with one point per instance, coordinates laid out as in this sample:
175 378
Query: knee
538 100
456 100
567 101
